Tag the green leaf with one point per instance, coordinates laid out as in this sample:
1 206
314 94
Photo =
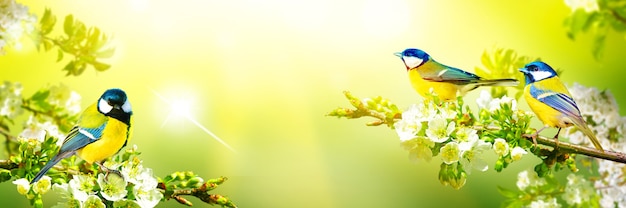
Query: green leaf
577 21
60 55
47 22
47 44
507 193
70 67
68 25
598 45
512 203
100 66
486 61
94 37
40 95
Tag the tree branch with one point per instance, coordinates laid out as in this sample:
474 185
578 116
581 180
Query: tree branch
571 148
201 193
362 111
8 165
617 16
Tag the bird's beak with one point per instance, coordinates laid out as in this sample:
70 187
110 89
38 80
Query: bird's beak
523 70
398 54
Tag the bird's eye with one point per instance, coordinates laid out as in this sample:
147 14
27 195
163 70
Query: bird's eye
534 68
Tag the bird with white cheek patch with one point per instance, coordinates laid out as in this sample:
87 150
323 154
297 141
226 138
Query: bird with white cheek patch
447 82
102 130
548 97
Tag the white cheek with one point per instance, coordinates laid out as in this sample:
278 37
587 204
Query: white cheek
126 107
412 62
540 75
104 107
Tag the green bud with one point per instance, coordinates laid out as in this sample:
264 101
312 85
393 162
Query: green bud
542 169
15 159
5 175
571 164
189 175
452 175
182 200
499 164
195 182
384 102
38 202
183 184
180 175
221 200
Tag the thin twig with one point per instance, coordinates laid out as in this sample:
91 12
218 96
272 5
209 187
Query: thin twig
200 193
8 165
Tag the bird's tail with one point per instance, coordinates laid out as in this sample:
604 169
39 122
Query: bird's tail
587 131
489 82
47 167
498 82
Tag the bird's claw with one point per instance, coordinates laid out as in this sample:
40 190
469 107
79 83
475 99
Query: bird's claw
108 170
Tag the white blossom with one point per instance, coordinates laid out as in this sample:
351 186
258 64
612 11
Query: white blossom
587 5
15 21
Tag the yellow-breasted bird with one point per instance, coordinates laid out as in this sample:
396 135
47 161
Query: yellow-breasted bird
548 97
447 82
102 130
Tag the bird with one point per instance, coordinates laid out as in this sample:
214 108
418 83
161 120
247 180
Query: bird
446 82
102 130
550 100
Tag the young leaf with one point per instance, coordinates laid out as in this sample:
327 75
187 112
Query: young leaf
47 22
60 55
507 193
68 25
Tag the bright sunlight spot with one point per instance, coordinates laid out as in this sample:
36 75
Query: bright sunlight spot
181 108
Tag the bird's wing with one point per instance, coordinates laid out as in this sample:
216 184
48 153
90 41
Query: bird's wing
80 137
560 101
443 73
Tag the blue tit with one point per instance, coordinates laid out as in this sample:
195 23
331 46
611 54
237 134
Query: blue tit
548 97
102 130
446 82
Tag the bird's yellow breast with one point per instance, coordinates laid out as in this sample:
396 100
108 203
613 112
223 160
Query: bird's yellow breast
445 91
548 115
113 138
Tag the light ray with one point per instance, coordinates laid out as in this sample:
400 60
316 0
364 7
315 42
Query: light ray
187 115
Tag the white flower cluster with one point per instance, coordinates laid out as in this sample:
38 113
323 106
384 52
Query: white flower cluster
80 190
10 98
485 101
587 5
602 114
84 191
15 20
528 181
578 190
424 125
40 187
145 183
500 146
62 99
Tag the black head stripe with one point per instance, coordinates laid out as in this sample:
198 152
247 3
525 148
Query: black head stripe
120 115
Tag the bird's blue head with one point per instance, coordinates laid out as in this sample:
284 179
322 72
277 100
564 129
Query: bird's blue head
114 103
413 57
537 71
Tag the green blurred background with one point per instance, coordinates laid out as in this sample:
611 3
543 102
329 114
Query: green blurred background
262 75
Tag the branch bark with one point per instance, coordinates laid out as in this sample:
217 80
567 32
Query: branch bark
362 111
